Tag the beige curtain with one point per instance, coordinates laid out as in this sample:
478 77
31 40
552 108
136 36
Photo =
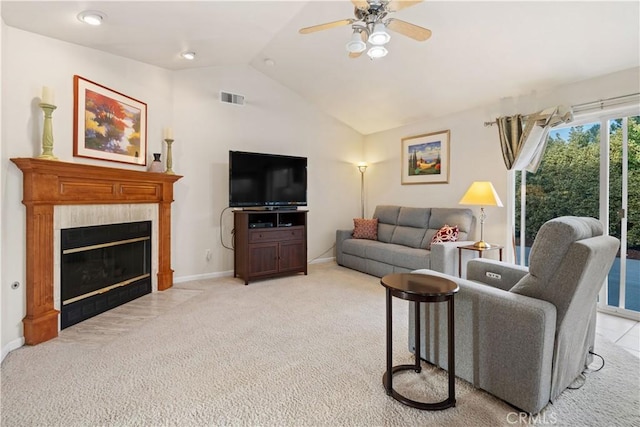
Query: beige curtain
524 138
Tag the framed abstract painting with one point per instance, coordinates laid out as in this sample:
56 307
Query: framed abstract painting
425 158
108 125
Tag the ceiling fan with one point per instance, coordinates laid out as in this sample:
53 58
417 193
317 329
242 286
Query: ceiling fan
371 24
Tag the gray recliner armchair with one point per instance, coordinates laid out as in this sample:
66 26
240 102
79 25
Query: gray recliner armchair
526 335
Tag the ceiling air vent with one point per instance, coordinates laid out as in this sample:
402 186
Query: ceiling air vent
231 98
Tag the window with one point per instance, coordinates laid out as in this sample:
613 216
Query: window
574 178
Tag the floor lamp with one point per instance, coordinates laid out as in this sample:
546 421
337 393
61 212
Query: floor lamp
481 193
362 167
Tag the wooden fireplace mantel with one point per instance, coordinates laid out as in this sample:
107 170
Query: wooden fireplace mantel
47 183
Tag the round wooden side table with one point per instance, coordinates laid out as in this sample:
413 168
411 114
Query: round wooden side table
419 288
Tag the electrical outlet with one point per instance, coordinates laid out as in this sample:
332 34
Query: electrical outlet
207 254
494 275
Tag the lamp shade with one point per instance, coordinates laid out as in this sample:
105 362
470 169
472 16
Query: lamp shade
377 52
481 193
379 36
356 44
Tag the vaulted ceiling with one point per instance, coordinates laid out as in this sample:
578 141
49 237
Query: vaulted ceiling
479 52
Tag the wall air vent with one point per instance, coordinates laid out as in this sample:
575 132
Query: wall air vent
231 98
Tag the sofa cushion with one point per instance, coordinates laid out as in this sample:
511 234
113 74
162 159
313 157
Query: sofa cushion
408 236
410 258
371 249
365 228
357 247
387 221
394 255
462 218
387 214
414 217
382 252
385 232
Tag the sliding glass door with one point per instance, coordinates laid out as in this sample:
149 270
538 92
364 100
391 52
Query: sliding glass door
591 169
566 183
623 287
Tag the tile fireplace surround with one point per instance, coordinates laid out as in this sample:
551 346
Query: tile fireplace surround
50 183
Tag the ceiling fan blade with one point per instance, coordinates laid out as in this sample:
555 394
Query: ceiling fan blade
326 26
396 5
410 30
361 4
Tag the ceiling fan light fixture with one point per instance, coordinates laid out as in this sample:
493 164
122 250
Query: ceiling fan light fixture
379 36
91 17
377 52
356 45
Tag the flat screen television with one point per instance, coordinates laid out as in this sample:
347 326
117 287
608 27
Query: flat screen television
267 180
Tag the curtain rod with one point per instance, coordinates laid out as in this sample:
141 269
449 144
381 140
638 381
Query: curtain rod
594 105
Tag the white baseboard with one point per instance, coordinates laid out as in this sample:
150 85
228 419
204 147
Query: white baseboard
205 276
15 344
322 260
215 275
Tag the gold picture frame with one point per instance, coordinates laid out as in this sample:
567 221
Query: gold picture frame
425 158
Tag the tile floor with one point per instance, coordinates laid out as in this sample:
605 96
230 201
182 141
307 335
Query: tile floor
623 332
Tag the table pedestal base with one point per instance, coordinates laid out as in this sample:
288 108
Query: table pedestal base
387 378
437 406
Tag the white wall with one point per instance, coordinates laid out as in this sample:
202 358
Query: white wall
29 62
475 150
274 120
474 156
3 288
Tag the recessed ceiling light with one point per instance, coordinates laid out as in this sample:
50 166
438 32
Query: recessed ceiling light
91 17
188 55
269 62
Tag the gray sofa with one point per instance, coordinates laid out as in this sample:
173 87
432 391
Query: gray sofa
525 335
404 241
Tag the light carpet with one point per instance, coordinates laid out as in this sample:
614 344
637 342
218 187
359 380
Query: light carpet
295 351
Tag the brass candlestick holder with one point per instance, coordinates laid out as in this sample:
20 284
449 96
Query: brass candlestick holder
169 158
47 132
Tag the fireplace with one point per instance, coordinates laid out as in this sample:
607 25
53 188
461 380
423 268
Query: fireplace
49 185
103 267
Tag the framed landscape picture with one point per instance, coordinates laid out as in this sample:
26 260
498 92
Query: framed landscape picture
425 158
108 125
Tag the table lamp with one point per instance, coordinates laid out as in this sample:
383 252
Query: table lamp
481 193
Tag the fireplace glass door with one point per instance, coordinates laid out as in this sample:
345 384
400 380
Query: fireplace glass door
103 267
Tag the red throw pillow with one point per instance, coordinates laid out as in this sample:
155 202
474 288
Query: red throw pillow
446 234
365 228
